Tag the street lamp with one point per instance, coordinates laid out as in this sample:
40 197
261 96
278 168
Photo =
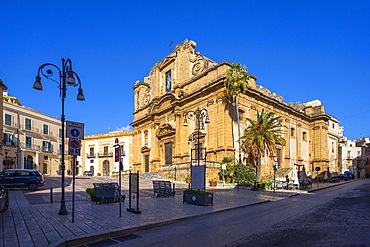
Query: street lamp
66 78
201 118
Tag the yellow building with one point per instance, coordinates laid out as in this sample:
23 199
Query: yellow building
30 139
97 153
2 155
186 81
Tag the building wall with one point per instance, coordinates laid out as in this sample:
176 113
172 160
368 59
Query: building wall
198 83
2 155
42 151
97 153
349 156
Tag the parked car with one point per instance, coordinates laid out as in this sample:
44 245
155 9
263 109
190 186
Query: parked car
335 179
349 174
88 173
19 178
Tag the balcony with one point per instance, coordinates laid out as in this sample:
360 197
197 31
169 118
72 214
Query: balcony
11 143
105 154
47 149
11 124
30 147
29 128
90 155
48 133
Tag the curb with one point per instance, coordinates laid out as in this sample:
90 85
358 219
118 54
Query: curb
112 234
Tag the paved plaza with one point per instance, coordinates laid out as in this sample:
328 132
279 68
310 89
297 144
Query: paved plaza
36 222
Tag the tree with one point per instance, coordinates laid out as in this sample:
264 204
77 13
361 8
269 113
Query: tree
263 135
236 82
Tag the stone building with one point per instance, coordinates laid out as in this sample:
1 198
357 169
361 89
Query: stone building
97 153
185 81
2 154
31 139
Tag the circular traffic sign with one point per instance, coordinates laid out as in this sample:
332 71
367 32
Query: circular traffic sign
75 144
75 132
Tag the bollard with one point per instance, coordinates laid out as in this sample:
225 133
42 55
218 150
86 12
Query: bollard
51 195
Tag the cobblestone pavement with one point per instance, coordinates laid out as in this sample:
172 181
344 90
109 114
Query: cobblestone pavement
34 221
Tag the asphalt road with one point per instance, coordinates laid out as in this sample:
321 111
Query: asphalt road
337 216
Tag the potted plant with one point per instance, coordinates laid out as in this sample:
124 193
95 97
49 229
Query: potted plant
213 182
198 197
92 193
188 178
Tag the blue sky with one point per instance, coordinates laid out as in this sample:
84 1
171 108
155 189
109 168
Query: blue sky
302 50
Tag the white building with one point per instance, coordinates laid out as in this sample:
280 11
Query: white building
98 153
349 155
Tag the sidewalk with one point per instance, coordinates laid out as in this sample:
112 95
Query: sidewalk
26 224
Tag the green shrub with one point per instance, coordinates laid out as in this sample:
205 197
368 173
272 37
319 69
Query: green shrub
91 191
228 173
244 174
197 191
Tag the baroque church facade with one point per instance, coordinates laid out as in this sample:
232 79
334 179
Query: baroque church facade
185 83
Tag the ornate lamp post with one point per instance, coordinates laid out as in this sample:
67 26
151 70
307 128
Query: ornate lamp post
200 116
66 77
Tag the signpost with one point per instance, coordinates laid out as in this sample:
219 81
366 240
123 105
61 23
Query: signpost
75 133
276 164
317 169
117 158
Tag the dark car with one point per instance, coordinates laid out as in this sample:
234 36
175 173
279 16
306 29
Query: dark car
335 179
88 173
19 178
349 174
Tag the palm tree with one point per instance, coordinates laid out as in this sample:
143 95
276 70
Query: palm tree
263 135
236 82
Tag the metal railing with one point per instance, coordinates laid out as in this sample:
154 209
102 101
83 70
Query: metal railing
12 143
29 128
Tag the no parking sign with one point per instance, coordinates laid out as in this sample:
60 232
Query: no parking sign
74 147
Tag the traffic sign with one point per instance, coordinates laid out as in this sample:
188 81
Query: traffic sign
74 147
276 165
276 159
75 130
117 150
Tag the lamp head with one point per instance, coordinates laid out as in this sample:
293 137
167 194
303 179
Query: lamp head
80 95
207 121
70 78
185 122
37 85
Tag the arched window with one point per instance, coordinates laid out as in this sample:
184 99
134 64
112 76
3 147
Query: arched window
168 81
304 136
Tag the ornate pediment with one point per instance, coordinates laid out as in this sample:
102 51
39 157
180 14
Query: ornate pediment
165 130
194 136
145 149
166 102
166 61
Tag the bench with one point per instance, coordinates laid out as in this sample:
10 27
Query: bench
108 193
163 188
